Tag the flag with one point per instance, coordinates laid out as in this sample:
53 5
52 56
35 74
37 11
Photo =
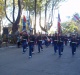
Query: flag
59 26
24 22
76 16
29 24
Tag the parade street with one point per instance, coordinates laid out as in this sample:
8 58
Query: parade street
14 62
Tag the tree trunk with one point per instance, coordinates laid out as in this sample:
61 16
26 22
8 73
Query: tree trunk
13 11
45 25
40 18
45 16
35 18
42 28
14 22
51 23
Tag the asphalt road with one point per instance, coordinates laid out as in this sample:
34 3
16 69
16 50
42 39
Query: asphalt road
13 62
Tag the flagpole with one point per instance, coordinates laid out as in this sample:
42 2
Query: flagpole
57 28
58 25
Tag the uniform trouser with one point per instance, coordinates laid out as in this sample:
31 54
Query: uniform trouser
46 43
49 42
60 48
30 49
33 48
70 43
39 46
77 44
18 44
55 47
24 47
73 49
66 43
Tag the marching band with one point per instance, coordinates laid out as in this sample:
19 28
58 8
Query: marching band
58 41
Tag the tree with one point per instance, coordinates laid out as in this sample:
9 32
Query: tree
1 12
13 5
37 6
33 7
1 7
76 19
54 4
45 28
69 27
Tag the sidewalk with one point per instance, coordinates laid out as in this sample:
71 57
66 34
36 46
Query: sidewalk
8 47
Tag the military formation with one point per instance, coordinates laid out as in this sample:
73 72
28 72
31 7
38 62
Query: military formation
58 41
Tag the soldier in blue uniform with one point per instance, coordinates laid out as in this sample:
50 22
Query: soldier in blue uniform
78 40
24 43
60 44
70 40
65 39
18 41
49 40
31 41
55 42
39 42
73 44
46 40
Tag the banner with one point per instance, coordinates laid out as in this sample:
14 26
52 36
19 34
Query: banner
59 26
29 23
76 17
24 22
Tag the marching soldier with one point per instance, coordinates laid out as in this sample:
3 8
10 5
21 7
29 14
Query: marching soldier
31 41
55 42
24 42
78 40
60 44
73 44
24 37
70 40
65 39
39 42
46 40
49 40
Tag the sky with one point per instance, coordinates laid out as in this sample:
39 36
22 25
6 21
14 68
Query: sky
66 11
69 8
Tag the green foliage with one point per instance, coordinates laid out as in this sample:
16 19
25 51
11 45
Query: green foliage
11 7
40 4
69 27
30 4
1 8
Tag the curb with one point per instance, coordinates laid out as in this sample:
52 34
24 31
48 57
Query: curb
8 47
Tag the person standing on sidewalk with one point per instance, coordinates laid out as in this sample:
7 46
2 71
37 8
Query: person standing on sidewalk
18 41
